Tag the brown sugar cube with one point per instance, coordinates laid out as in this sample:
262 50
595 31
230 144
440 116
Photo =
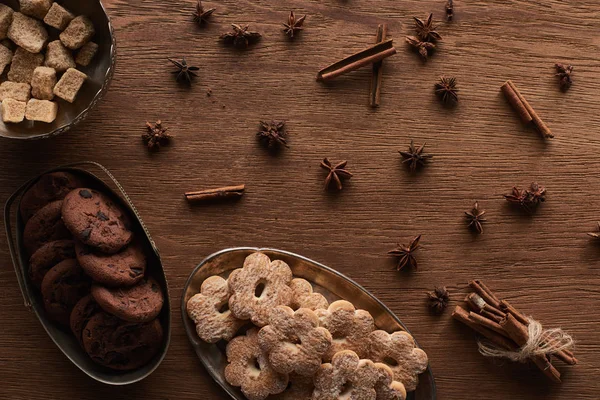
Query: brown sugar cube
86 54
35 8
6 17
41 110
15 91
78 33
68 86
5 58
27 33
43 82
13 110
23 64
58 17
59 57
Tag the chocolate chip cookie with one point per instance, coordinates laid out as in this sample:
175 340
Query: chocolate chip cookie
45 226
50 187
121 345
85 309
95 220
139 303
47 257
63 286
125 268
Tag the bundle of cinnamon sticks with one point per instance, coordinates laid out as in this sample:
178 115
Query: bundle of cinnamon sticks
505 327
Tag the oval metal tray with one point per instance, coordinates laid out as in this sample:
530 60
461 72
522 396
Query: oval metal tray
332 284
63 338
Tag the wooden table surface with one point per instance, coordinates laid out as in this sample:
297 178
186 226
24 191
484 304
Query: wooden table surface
544 263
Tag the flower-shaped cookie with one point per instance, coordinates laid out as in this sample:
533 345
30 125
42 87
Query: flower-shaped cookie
294 341
249 369
299 388
258 287
349 327
350 378
304 297
400 353
208 309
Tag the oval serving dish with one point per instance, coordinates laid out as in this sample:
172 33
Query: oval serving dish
332 284
63 339
100 73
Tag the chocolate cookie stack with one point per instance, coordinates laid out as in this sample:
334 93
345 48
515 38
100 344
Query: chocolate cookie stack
91 271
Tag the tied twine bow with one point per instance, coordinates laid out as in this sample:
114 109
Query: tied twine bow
541 342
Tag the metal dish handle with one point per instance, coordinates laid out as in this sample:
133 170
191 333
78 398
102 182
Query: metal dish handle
21 270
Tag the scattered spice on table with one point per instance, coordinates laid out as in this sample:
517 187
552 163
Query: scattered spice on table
405 254
527 199
184 72
524 109
449 10
422 48
564 71
414 157
425 29
377 75
272 134
475 218
595 235
336 172
222 193
446 90
202 15
512 335
438 299
156 135
240 36
293 25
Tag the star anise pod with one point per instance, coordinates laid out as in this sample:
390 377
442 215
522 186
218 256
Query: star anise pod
425 29
414 157
475 218
446 90
293 25
184 72
156 135
422 47
527 199
449 10
405 254
336 173
564 73
438 299
595 235
240 36
272 134
201 15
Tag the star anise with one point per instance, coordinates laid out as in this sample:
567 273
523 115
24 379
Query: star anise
449 10
184 72
272 134
414 157
201 15
564 73
156 135
405 254
336 173
438 299
240 37
293 25
595 235
425 29
422 47
446 90
475 218
528 199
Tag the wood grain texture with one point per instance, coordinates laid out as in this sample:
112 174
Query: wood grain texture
544 263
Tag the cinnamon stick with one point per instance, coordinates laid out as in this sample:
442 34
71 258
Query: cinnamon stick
375 93
509 309
515 103
485 292
355 61
479 305
522 106
462 315
487 323
227 192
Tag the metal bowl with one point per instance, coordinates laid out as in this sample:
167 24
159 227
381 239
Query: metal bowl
327 281
63 338
100 73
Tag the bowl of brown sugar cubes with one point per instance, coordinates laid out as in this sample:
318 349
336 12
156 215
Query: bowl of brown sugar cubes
57 59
